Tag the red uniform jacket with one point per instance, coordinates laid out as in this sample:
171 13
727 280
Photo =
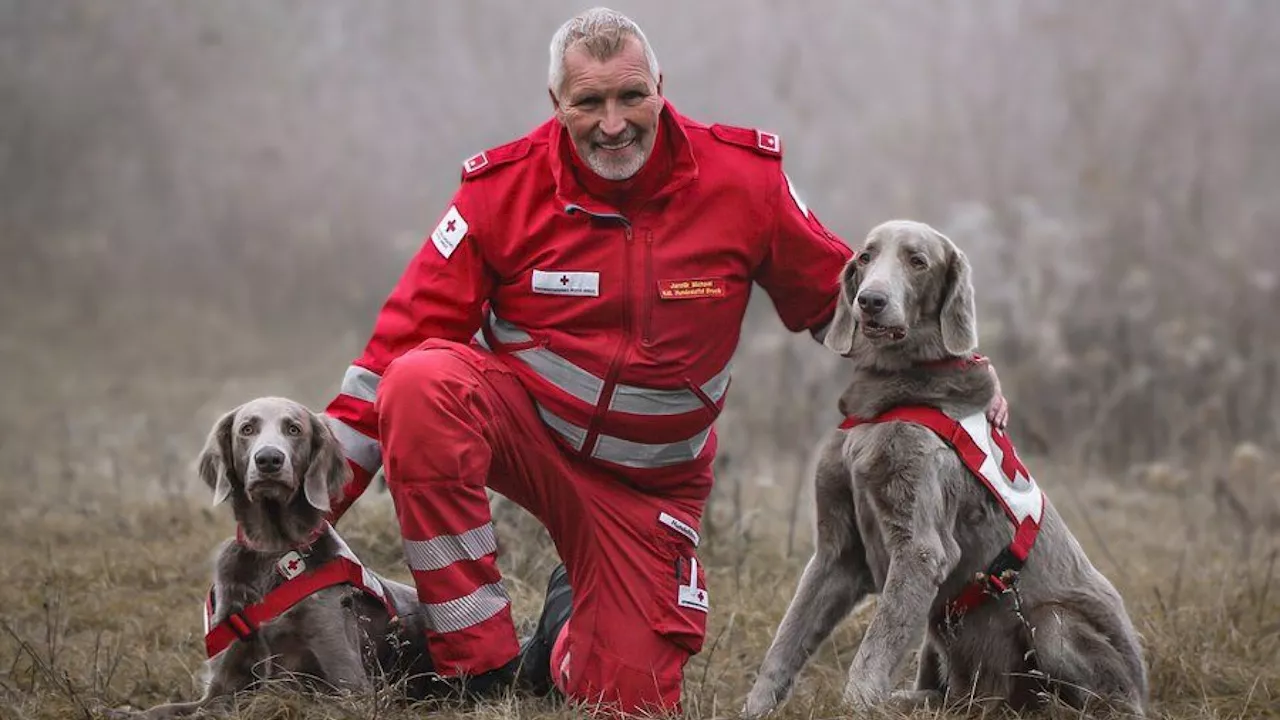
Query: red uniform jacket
620 315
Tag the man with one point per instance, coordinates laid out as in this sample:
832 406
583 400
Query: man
564 337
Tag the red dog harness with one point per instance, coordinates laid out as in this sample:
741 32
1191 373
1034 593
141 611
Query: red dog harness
986 451
300 583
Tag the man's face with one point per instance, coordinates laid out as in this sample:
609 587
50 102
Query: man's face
610 109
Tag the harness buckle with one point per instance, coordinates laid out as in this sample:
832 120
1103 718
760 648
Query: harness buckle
241 626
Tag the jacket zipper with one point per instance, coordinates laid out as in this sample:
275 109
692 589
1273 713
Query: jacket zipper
647 299
624 347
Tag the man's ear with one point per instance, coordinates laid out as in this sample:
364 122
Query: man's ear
555 106
216 465
844 325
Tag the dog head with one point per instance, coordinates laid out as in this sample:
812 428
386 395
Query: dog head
907 292
270 449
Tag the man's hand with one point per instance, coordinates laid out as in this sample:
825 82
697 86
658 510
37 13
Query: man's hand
998 410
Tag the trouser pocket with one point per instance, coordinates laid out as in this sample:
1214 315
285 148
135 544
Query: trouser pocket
680 601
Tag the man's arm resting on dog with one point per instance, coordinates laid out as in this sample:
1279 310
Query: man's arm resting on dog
803 262
440 294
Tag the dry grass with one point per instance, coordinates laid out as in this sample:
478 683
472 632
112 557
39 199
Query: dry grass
101 603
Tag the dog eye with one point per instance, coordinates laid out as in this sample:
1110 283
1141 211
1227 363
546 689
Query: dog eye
246 429
293 429
864 258
919 262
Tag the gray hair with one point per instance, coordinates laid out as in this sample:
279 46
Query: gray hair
601 32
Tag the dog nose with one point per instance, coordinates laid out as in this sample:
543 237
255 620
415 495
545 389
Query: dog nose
872 302
268 460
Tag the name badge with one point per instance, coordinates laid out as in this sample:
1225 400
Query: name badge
584 284
691 289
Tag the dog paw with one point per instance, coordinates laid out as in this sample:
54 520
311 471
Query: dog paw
863 696
908 700
760 703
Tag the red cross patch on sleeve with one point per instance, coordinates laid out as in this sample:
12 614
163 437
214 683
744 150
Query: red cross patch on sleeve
475 162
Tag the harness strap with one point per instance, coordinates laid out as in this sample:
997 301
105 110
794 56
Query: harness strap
1002 572
244 624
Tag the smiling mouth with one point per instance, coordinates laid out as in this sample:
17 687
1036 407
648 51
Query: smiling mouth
876 331
616 147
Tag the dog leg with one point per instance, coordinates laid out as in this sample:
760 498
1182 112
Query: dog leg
929 671
826 594
1079 663
916 569
834 580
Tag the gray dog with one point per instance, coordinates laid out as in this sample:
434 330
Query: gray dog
279 465
1007 616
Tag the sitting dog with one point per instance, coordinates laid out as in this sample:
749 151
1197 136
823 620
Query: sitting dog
289 600
920 499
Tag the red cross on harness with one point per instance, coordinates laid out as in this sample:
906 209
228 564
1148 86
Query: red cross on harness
451 225
564 279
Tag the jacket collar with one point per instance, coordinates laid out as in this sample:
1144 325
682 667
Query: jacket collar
676 151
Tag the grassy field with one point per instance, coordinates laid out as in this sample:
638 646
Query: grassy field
100 600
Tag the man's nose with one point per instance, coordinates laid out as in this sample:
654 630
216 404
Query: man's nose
614 122
872 302
268 460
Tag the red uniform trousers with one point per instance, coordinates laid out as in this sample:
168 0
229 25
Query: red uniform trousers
454 420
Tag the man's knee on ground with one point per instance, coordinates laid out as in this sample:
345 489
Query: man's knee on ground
645 678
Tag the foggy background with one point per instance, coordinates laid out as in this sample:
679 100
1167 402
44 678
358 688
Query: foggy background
205 201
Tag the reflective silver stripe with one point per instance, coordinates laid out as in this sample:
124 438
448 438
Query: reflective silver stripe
625 452
586 387
563 374
643 401
362 449
360 383
643 455
468 610
555 369
572 433
441 552
506 332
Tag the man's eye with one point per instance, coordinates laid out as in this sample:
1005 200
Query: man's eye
633 96
587 103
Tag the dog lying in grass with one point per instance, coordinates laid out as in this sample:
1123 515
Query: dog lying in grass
290 602
920 499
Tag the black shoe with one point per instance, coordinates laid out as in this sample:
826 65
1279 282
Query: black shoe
474 688
534 673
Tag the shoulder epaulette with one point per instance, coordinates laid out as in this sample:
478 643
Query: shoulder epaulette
765 143
483 162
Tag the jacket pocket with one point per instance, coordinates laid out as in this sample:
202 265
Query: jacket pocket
713 411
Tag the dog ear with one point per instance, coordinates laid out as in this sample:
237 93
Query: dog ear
216 466
958 320
844 325
327 470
